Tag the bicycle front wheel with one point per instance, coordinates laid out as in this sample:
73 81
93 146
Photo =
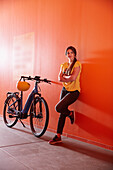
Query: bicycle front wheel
39 116
8 116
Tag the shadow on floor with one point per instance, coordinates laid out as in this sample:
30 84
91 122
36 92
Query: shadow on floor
93 151
22 130
77 146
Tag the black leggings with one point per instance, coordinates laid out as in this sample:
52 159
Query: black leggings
66 99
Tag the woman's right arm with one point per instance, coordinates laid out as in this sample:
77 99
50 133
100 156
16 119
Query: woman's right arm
72 77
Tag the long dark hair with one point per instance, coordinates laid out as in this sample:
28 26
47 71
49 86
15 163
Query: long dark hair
71 48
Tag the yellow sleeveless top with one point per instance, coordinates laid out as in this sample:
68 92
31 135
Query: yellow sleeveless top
74 85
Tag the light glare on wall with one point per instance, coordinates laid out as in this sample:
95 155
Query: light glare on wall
3 57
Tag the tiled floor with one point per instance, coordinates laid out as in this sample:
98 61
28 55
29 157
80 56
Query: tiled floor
20 150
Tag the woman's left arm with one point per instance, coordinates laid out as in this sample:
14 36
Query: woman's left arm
71 77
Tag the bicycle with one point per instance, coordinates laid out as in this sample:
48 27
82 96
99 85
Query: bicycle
35 103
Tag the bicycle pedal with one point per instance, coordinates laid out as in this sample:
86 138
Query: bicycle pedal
11 116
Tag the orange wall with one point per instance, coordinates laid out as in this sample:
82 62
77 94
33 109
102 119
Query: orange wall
56 24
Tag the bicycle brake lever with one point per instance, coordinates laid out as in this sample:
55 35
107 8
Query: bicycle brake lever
37 78
47 81
29 78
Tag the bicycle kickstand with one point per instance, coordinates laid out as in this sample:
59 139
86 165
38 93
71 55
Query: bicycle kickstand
22 123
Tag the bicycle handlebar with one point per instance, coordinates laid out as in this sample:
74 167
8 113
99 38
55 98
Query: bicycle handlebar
37 78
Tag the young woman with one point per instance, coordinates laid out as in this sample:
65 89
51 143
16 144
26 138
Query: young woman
69 75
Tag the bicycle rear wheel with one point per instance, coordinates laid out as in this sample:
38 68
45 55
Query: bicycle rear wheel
39 116
8 116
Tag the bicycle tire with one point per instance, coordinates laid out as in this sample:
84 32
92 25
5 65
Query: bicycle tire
39 116
10 122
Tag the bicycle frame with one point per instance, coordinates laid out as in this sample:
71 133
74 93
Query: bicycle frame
29 99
